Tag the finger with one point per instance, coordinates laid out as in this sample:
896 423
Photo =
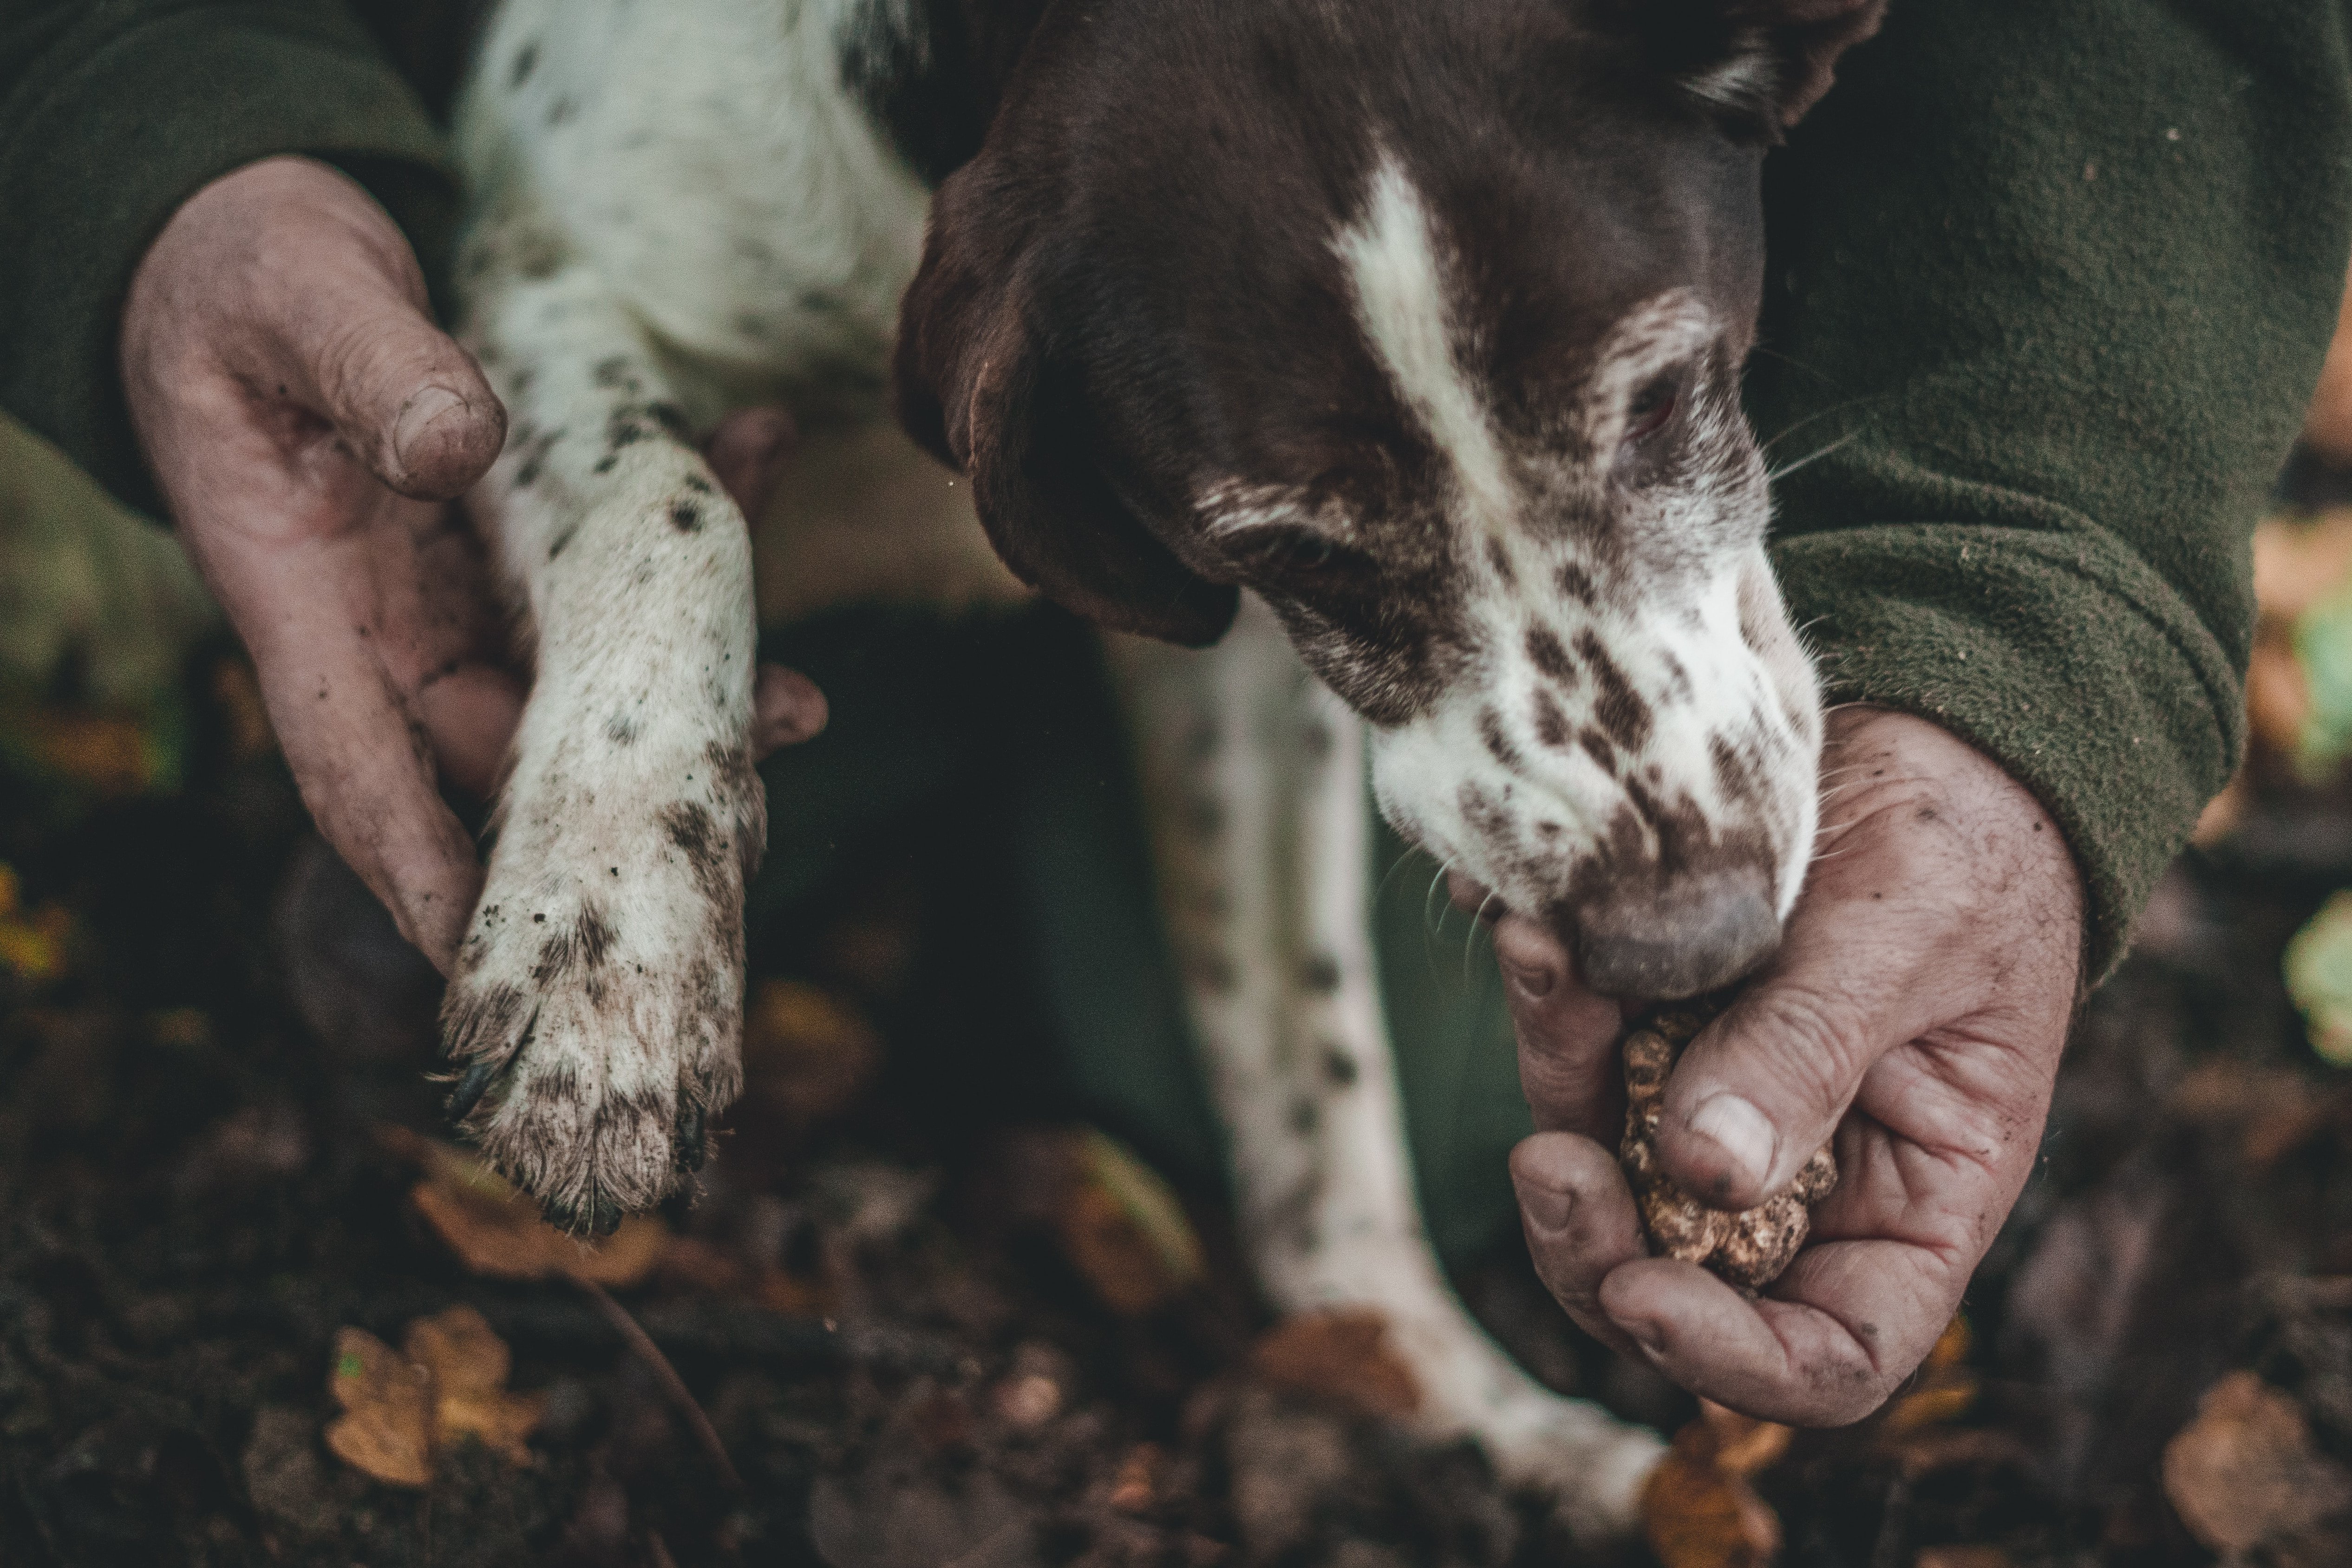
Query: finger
1882 948
401 394
786 709
1580 1224
1848 1322
749 453
1568 1059
334 316
470 713
365 771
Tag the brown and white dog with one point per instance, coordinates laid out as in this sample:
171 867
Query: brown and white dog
1410 329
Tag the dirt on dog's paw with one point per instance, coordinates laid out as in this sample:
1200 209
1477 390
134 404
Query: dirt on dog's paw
595 1025
1750 1248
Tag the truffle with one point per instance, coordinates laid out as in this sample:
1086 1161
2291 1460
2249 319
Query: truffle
1751 1249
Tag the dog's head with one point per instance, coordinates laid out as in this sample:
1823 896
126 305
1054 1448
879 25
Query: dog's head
1425 323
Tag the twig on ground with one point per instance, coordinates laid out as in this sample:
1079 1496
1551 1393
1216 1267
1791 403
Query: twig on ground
680 1396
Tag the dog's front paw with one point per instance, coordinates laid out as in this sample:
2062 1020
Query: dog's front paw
596 1020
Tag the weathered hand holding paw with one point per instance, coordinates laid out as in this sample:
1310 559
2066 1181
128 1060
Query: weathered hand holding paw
1749 1249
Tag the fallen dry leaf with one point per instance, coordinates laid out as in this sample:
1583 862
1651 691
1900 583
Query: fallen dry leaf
2298 561
1697 1514
498 1232
386 1427
2243 1473
469 1365
2274 1112
2278 698
807 1055
1339 1356
1122 1229
1744 1446
448 1382
111 753
1945 1390
1924 1453
1136 1487
1961 1557
33 946
699 1265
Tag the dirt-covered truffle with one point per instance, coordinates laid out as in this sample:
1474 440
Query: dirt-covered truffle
1750 1248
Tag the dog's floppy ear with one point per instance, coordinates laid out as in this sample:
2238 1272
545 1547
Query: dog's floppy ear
1761 63
976 385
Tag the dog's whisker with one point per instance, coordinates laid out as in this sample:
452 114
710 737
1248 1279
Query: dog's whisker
1816 417
1809 460
1470 942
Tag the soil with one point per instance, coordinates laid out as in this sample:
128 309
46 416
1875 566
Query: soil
906 1360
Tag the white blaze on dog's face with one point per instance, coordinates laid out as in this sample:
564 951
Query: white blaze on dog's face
1425 324
1605 718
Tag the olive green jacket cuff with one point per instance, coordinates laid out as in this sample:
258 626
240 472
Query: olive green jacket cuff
112 114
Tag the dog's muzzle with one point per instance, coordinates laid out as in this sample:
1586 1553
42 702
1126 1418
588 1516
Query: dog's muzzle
1696 934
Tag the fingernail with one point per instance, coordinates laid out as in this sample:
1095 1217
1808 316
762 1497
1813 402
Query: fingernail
423 409
1547 1208
1647 1340
1740 1130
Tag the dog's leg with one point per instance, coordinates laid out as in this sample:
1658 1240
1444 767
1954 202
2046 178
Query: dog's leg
1254 781
595 1014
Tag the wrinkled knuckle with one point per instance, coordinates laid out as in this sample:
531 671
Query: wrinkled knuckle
1817 1048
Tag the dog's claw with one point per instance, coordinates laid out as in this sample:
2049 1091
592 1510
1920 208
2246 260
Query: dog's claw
601 1217
691 1143
470 1090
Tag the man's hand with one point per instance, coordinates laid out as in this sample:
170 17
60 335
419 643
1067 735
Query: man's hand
1916 1008
306 424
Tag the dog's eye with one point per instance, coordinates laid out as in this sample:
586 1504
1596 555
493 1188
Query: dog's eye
1299 559
1651 410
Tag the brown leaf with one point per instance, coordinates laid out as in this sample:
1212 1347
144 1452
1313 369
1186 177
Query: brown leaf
1696 1514
1961 1557
1341 1356
386 1427
33 946
1136 1487
469 1365
2278 696
1944 1391
498 1232
2244 1473
2299 561
110 753
1924 1453
1744 1446
807 1055
1122 1229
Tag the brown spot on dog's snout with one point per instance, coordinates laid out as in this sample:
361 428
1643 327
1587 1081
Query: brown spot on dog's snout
1621 709
1699 934
1547 654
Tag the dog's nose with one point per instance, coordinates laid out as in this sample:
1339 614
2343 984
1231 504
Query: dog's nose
1696 934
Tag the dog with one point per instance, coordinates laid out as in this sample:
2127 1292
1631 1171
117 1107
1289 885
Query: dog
1386 351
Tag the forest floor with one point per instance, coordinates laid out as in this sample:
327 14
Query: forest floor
252 1310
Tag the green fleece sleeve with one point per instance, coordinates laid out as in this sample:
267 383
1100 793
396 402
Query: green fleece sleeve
112 112
2051 283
